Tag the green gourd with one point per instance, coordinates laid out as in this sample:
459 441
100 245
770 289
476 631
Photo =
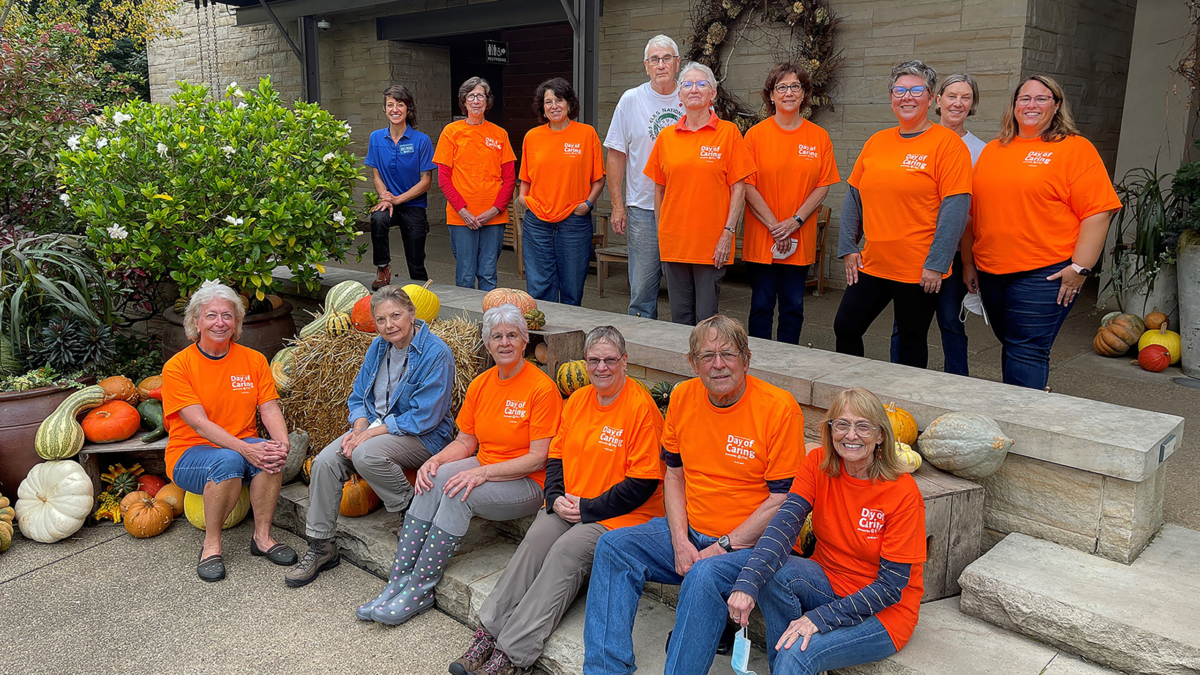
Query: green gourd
60 435
152 417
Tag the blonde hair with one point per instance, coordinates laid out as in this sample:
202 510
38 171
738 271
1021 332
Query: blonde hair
1061 125
209 292
885 465
727 330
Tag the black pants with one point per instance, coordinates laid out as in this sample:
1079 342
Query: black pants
866 300
414 226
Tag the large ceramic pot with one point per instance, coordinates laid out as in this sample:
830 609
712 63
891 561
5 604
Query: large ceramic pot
1189 302
264 332
21 413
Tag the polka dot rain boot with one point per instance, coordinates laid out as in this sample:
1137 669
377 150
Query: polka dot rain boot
417 596
412 538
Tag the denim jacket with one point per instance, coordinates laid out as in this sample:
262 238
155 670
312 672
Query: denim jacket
421 405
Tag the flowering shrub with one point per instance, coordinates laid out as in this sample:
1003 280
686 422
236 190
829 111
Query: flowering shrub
223 189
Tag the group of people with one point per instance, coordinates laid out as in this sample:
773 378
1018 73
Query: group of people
712 498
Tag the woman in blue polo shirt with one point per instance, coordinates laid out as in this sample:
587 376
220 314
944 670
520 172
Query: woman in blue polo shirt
401 161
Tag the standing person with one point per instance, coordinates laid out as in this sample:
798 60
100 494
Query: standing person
562 174
401 161
795 167
699 166
477 173
641 114
957 99
1041 218
909 195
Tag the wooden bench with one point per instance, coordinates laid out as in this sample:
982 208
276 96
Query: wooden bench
149 455
953 529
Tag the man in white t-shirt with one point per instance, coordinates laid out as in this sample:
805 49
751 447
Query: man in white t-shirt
641 113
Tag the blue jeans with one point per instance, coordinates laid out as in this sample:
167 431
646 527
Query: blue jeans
782 283
954 333
475 254
200 465
799 586
625 560
556 257
645 267
1026 317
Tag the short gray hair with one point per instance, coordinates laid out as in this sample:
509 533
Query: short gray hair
607 334
955 79
504 315
917 68
696 65
661 41
209 292
468 86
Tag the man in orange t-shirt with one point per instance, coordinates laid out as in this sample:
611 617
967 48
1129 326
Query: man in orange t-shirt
732 444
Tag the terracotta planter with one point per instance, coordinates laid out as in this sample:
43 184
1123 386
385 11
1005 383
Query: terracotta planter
264 332
21 412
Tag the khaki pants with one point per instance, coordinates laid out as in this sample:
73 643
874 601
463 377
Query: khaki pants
381 461
539 585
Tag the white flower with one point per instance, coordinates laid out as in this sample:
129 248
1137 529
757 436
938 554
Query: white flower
328 156
233 221
73 142
339 218
239 93
121 118
241 105
65 199
117 232
232 85
346 126
162 149
101 143
228 150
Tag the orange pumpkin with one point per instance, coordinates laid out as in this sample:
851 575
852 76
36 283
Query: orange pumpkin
172 495
361 317
151 387
1118 335
148 517
112 422
509 296
119 388
1154 320
358 499
904 425
131 499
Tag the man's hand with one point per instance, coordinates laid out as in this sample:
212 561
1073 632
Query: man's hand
686 555
617 219
712 551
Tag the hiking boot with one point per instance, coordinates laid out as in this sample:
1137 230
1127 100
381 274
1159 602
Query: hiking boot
382 278
477 654
322 554
497 665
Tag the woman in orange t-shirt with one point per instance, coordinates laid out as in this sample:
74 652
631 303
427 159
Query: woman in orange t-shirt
1042 203
604 473
562 174
909 195
699 168
795 167
494 469
856 600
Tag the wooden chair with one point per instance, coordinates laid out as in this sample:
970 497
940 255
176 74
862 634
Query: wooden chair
824 213
512 234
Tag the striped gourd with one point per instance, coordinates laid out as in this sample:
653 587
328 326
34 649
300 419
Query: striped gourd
317 326
341 298
281 369
572 376
60 436
338 324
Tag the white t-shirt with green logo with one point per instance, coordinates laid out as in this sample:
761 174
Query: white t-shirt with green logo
640 115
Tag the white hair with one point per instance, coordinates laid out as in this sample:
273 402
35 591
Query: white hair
661 41
696 65
211 291
504 315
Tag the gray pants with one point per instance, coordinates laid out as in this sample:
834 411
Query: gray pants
494 500
381 461
539 585
693 291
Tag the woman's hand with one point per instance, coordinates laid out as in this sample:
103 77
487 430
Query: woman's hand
931 280
686 555
269 456
426 474
469 219
582 209
522 202
854 263
970 277
1072 281
465 481
385 202
740 606
724 246
567 508
486 217
783 229
801 627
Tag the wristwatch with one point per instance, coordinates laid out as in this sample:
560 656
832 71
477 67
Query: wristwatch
723 542
1081 270
798 221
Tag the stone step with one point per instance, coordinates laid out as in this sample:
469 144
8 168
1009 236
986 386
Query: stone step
1138 618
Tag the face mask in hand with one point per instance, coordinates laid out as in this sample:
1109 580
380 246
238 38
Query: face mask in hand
972 304
741 654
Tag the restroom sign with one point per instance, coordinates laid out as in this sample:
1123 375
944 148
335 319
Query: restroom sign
497 52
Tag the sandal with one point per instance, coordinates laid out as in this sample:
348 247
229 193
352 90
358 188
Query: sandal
211 568
280 554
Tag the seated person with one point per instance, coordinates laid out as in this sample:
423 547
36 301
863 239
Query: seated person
604 473
494 469
211 392
399 416
732 444
856 599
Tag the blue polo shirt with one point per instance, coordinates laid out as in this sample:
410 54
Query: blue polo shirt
400 164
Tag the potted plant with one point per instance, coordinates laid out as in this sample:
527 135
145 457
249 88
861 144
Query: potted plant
1186 189
1143 257
222 188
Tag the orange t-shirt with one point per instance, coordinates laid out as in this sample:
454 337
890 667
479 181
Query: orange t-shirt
729 454
560 167
1029 197
601 446
902 182
791 164
697 168
229 388
507 415
856 523
475 153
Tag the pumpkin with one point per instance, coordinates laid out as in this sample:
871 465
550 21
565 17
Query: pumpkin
535 319
193 508
1154 358
53 501
965 444
1167 338
1118 335
661 393
542 353
108 508
910 460
60 435
904 425
337 325
509 296
281 369
358 499
341 298
572 376
172 495
151 412
151 387
112 422
6 535
181 304
151 484
122 481
7 514
1133 319
119 388
426 301
361 317
306 470
1155 320
130 499
147 517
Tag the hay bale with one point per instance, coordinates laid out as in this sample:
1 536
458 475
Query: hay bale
464 337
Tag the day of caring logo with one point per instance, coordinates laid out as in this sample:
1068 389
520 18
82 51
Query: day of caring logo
514 410
871 522
492 143
807 151
710 152
612 439
739 448
914 162
240 382
574 149
1035 157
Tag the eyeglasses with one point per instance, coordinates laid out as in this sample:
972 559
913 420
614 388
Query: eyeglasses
699 84
609 363
476 97
860 428
1040 100
785 88
917 91
709 357
660 60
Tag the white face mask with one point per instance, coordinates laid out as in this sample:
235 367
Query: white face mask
741 654
972 304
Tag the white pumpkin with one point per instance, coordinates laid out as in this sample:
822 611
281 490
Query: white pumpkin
965 444
53 501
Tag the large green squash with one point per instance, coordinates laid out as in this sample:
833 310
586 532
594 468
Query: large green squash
341 298
965 444
60 435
